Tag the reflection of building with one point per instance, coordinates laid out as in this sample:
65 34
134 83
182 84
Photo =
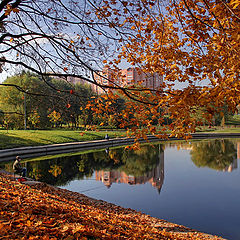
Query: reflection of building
155 177
234 164
238 150
231 167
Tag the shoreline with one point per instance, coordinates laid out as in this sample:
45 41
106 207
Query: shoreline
54 149
99 219
160 228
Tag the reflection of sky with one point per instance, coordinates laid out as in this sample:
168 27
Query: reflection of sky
200 198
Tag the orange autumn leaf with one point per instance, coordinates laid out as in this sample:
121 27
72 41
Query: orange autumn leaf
182 43
60 214
16 10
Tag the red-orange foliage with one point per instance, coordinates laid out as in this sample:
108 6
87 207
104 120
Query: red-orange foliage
45 212
192 42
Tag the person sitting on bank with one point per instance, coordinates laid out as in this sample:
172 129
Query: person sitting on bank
18 169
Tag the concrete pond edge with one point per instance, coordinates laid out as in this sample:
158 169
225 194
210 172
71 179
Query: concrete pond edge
54 149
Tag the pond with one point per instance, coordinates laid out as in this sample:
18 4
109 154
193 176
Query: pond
196 184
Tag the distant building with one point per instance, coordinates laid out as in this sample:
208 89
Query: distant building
129 76
134 76
72 80
104 77
75 80
123 78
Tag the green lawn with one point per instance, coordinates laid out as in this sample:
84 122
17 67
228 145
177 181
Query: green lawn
226 129
233 120
19 138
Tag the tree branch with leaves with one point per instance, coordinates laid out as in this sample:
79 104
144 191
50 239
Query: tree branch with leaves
193 44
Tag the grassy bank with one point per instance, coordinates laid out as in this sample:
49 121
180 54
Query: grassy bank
19 138
218 129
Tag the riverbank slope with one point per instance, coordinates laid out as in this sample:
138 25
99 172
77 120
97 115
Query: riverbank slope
71 147
41 211
26 138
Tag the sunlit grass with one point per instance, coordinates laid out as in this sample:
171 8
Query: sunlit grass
218 129
233 120
19 138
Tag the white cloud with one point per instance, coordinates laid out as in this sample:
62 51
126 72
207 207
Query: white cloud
3 76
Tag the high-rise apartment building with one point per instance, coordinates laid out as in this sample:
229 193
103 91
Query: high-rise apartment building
104 77
126 77
71 80
75 80
138 77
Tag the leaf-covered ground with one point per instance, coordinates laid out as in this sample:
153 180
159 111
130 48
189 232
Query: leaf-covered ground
40 211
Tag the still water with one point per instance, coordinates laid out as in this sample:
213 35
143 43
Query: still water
196 184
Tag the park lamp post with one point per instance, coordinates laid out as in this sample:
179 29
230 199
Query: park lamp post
25 111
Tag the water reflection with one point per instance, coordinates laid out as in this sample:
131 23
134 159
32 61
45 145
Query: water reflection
218 154
136 170
132 167
110 165
192 195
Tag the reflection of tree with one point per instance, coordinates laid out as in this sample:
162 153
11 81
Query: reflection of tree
136 169
55 170
35 172
216 154
58 171
61 170
110 159
140 162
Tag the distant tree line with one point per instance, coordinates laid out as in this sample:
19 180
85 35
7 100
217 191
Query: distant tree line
58 103
45 106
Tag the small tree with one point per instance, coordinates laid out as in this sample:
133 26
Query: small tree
55 118
34 119
6 121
